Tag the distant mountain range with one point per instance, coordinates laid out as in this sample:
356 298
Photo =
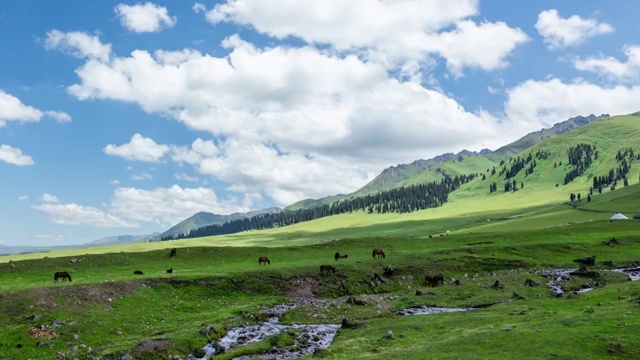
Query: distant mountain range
402 174
202 219
123 239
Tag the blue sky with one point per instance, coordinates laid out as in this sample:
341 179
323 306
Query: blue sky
125 118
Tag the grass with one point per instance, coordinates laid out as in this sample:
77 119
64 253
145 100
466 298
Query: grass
476 237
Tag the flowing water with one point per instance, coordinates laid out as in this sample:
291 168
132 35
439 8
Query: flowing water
429 310
309 338
558 276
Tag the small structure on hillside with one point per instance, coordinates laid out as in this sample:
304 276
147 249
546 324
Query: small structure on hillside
618 216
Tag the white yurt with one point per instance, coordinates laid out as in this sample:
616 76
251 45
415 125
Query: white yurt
618 216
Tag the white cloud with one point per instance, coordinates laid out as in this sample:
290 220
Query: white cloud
139 148
23 198
168 206
48 198
74 214
561 32
302 110
14 156
199 7
186 177
535 103
141 176
78 44
144 18
613 68
395 33
114 182
12 109
59 116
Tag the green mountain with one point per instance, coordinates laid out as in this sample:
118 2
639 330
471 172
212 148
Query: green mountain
449 164
203 219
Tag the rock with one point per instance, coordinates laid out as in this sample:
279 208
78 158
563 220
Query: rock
388 336
76 337
506 329
126 357
119 332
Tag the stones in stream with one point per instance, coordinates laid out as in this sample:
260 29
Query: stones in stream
310 338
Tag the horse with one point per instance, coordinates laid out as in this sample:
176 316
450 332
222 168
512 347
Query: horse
264 260
378 252
138 272
170 271
61 274
434 280
174 252
337 256
327 269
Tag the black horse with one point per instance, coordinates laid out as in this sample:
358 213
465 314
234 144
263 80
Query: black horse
61 274
264 260
337 256
434 280
138 272
379 253
170 271
327 269
174 252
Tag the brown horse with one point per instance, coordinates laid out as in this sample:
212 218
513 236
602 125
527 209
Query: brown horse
434 280
378 252
61 274
327 269
264 260
174 252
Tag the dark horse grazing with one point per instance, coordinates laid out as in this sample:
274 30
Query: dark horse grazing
174 252
338 256
434 280
170 271
61 274
327 269
378 252
138 272
264 260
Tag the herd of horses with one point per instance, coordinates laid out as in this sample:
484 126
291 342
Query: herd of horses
263 260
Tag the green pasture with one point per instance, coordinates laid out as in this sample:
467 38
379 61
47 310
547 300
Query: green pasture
476 237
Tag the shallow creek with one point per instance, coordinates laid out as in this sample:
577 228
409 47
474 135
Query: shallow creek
558 276
310 337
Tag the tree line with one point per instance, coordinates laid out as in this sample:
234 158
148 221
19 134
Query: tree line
400 200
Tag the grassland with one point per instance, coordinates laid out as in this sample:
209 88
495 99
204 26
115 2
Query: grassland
218 281
109 311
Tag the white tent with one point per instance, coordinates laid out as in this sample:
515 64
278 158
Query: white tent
618 216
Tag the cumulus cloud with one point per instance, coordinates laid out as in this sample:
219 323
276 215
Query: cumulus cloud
548 101
14 156
559 32
48 198
168 206
139 148
144 18
612 68
78 44
395 33
13 110
74 214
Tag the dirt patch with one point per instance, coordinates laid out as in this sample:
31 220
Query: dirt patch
39 333
301 286
151 349
47 299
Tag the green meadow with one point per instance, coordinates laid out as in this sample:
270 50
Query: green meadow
476 237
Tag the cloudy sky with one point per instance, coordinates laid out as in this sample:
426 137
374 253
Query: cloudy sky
125 118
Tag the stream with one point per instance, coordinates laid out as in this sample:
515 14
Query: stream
558 276
310 337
